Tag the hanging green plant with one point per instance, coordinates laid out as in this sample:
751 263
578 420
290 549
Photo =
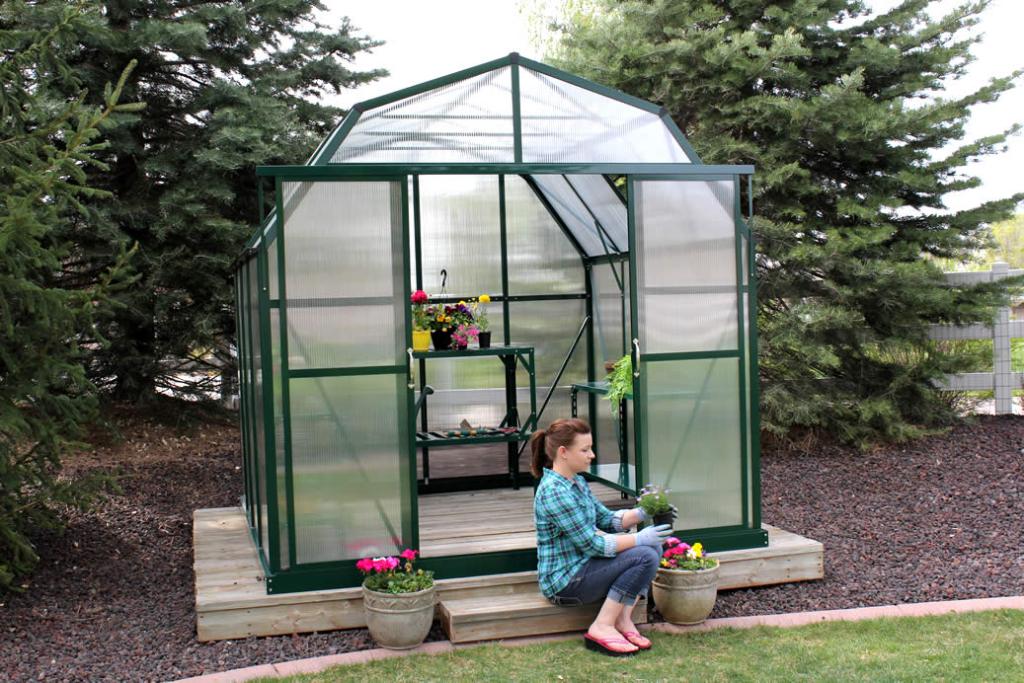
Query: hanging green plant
620 382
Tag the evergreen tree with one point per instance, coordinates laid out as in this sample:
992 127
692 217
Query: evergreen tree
46 143
228 85
841 113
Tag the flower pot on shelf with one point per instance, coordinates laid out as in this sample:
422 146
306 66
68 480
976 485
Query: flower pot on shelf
442 339
685 596
421 340
484 338
399 621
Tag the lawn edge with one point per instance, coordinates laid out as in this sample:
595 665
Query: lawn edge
917 609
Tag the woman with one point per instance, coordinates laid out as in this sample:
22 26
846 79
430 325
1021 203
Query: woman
575 563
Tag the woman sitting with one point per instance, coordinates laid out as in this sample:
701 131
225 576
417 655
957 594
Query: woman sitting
576 564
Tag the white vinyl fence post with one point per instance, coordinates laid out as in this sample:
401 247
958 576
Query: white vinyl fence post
1002 368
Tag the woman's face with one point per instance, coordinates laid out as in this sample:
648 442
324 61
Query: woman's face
579 454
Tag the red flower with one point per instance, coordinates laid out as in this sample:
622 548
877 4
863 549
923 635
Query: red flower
409 554
420 297
365 565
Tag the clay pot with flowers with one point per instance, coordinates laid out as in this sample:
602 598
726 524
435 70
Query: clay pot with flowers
398 600
420 321
686 586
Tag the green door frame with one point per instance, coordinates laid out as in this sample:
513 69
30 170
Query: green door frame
749 533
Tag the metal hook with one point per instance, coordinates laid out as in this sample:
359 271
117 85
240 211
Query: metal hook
444 279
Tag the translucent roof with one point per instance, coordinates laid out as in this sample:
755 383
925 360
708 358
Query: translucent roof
472 117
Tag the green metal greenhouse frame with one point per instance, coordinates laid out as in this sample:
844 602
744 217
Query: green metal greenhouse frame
268 380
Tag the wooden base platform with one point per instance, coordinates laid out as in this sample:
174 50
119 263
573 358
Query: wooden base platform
232 602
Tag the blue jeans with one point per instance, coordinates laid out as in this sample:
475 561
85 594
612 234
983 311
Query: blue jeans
622 578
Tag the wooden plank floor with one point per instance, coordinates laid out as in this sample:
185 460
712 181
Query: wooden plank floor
486 521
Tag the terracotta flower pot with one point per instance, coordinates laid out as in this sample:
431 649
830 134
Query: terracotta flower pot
399 621
685 596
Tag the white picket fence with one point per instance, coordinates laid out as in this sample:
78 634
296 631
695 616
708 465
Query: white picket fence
1002 380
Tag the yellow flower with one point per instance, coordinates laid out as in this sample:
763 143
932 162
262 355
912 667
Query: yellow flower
698 550
664 562
439 318
485 299
462 303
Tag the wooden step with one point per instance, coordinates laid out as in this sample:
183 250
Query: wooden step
510 616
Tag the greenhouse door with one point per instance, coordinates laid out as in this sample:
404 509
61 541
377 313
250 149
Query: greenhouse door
346 395
687 326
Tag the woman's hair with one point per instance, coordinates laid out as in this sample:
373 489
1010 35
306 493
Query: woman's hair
546 442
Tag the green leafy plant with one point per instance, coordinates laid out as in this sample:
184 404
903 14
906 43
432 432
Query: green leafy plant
620 382
654 500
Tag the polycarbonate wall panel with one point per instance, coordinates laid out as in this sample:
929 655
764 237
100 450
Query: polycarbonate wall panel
752 382
611 313
273 286
605 204
467 121
345 295
346 464
564 123
541 259
260 432
692 437
471 389
282 487
573 213
686 266
550 327
460 225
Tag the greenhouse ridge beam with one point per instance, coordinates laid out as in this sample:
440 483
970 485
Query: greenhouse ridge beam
385 171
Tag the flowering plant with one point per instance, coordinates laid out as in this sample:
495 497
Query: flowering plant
480 312
447 317
654 500
420 319
384 576
679 555
463 333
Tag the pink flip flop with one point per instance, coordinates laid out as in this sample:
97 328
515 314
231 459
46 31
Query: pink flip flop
601 645
635 636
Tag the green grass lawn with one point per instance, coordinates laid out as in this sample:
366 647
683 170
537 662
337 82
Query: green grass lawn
983 646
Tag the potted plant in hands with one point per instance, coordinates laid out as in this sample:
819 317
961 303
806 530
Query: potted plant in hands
398 600
483 325
420 321
620 382
686 586
654 501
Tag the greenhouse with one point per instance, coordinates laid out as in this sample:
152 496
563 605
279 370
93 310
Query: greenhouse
589 223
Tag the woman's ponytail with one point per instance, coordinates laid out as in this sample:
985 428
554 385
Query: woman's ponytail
539 457
546 442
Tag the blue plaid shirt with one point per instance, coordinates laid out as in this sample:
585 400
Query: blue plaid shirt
567 517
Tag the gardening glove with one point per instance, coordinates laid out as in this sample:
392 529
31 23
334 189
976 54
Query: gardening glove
653 536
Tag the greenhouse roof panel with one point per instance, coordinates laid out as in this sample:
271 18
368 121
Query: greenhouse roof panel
507 111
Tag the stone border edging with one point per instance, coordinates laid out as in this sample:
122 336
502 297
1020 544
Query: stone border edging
919 609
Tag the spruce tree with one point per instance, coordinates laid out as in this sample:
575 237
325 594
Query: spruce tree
228 85
842 113
46 145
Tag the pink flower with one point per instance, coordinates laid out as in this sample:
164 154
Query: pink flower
392 562
672 541
365 565
380 564
409 554
420 297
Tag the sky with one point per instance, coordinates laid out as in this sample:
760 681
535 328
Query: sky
425 40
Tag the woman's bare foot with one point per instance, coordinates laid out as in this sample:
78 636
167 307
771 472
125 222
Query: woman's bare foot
628 629
611 638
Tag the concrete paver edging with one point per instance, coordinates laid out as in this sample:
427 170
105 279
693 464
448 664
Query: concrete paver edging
920 609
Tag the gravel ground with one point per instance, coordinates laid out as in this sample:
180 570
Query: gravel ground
942 518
